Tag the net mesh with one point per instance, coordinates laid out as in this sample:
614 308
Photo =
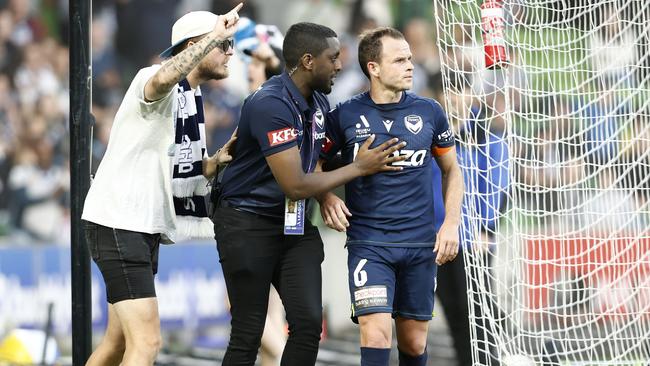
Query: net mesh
555 150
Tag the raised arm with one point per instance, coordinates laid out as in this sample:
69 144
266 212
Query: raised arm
177 68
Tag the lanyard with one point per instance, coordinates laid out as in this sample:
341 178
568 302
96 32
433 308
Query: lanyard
312 136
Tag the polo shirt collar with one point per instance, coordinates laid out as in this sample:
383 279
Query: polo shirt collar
295 93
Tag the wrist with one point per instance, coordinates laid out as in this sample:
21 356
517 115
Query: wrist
216 36
452 220
357 170
217 158
322 197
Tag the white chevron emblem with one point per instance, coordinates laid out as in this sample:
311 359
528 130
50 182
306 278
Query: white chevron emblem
413 123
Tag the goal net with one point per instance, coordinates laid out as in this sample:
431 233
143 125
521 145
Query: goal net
555 149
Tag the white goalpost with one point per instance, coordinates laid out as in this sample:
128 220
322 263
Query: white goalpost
554 129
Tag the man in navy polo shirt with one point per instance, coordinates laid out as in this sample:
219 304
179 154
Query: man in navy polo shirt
262 233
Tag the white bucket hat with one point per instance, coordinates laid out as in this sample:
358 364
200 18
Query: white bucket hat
192 24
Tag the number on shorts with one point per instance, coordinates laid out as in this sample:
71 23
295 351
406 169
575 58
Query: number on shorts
360 276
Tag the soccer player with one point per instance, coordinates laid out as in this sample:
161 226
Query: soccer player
137 199
263 235
393 246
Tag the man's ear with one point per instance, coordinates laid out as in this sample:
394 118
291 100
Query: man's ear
307 61
373 68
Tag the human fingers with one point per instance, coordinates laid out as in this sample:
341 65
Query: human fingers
337 222
341 215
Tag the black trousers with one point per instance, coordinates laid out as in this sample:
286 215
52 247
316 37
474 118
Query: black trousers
452 292
254 253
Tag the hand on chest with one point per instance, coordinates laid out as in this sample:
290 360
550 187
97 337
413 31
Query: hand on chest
412 128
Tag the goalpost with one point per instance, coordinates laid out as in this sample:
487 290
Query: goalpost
559 216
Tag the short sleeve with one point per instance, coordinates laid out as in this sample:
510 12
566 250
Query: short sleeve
162 107
443 136
334 135
272 124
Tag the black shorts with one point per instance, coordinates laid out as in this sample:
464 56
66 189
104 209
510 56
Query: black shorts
128 260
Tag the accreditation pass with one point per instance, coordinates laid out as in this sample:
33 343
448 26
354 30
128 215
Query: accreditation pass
294 217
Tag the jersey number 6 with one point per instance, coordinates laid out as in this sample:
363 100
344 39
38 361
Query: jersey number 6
360 276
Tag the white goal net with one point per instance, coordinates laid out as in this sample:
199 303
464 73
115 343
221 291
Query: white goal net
555 149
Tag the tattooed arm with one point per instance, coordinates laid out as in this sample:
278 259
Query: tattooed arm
177 68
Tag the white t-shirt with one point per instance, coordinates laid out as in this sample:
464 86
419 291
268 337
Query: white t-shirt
132 188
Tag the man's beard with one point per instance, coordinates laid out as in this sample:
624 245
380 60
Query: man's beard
324 86
214 73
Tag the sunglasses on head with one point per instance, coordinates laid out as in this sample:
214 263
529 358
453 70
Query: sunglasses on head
226 45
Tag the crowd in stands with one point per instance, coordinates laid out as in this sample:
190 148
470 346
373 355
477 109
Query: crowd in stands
126 35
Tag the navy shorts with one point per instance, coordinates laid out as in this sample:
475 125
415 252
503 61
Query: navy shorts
128 261
399 281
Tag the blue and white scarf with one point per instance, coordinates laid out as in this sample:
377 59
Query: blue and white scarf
189 186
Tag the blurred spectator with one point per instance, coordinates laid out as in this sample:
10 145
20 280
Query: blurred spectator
106 78
9 52
610 209
37 186
27 28
35 76
426 61
34 108
484 157
604 116
221 113
351 80
636 160
613 50
8 125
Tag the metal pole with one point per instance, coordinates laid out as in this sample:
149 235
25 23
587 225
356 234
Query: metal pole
80 125
48 333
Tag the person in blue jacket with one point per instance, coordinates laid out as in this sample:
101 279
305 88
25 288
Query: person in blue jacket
484 157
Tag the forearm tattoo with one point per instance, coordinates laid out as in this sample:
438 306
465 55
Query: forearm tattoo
180 65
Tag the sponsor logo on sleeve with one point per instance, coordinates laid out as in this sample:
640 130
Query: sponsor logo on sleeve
446 136
282 136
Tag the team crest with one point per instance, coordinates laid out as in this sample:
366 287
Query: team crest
413 123
318 118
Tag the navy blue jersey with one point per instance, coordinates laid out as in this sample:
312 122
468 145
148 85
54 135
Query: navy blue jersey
391 208
274 118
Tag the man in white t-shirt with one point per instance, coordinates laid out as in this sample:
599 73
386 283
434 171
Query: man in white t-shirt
132 203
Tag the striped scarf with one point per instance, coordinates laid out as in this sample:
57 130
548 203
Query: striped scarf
189 186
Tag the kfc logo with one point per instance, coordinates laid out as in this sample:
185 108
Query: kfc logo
279 137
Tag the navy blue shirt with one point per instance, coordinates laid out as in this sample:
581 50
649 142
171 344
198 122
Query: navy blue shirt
391 208
274 118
